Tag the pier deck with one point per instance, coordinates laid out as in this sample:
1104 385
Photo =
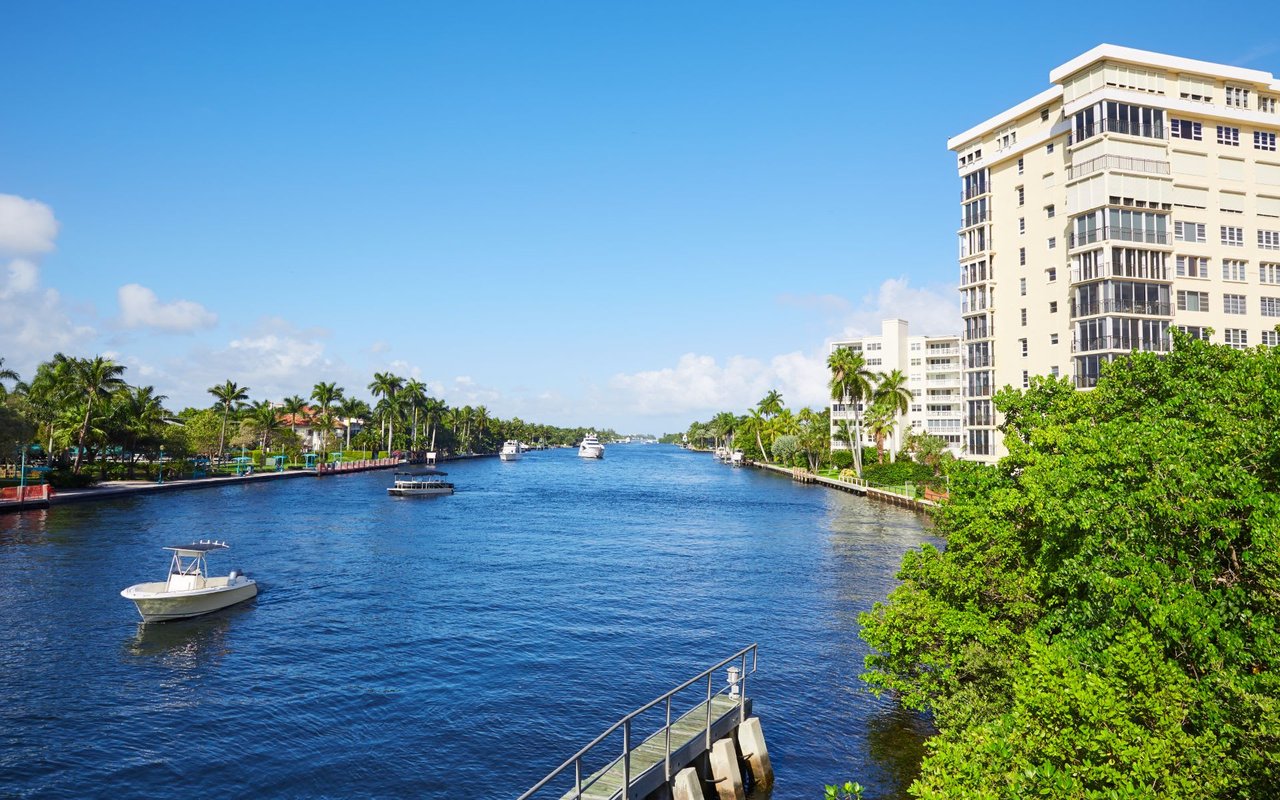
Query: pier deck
688 740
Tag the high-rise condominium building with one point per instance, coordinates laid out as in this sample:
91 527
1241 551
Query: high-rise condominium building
1140 192
932 367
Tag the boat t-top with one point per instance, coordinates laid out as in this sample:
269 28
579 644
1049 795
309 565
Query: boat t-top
591 447
419 484
190 590
510 450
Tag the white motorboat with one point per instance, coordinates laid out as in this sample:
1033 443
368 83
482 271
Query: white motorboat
419 484
591 447
510 450
190 590
737 458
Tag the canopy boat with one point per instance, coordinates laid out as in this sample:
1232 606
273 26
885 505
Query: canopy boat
190 590
510 451
591 447
416 484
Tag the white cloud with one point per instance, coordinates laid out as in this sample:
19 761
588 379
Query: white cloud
140 308
699 385
27 226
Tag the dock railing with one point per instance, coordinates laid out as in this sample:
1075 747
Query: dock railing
742 662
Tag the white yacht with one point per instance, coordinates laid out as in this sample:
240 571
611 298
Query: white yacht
591 447
190 590
510 450
419 484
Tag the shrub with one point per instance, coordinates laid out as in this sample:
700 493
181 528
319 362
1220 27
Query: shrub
841 459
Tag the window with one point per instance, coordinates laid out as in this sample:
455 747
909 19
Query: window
1023 344
1195 332
1048 210
1228 135
1026 379
1233 304
1044 115
1232 236
1237 97
1019 166
1185 129
1191 267
915 362
915 346
1269 240
1048 148
1236 337
1053 338
1022 256
1267 104
1022 224
1053 242
1193 301
1022 286
873 345
1270 338
1053 306
874 362
1269 273
1264 141
1054 370
1024 318
1188 231
1233 270
1022 195
1271 306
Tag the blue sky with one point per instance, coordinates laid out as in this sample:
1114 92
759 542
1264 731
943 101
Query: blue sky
621 214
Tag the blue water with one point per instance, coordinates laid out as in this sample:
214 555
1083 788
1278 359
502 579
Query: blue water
443 647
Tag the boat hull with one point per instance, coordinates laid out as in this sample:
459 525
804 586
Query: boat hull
162 606
590 452
509 456
394 492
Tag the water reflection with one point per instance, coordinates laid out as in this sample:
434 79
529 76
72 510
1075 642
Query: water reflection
187 645
896 739
24 527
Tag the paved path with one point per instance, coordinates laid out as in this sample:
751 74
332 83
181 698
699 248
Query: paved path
113 489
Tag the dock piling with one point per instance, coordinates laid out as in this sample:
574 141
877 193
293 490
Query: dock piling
725 772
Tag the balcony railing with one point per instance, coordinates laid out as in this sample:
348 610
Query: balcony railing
976 305
1154 309
942 351
1150 130
1127 163
969 220
979 419
978 362
1120 233
1127 343
1115 270
977 191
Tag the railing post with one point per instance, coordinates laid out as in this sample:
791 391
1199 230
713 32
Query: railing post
577 776
626 760
667 761
708 736
742 694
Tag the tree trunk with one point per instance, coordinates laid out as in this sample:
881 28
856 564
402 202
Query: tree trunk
760 444
84 431
222 437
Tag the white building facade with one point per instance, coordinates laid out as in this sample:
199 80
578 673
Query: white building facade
1140 192
932 365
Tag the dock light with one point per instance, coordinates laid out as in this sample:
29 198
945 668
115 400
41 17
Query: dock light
735 674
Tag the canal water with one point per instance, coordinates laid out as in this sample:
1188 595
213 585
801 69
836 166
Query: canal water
444 647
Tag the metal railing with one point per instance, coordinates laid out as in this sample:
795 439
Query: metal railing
1157 308
1144 235
1151 130
1127 163
1096 343
734 688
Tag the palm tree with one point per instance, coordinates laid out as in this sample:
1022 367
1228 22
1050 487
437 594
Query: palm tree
325 395
880 422
895 396
227 394
434 408
95 378
415 396
480 415
353 408
756 420
6 375
724 425
385 385
266 419
144 413
293 406
851 384
771 404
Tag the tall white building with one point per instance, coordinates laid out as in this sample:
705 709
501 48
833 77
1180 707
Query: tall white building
1139 192
932 366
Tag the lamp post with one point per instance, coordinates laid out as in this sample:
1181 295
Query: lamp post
161 480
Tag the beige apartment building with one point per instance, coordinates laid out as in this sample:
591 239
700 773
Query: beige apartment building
933 368
1141 191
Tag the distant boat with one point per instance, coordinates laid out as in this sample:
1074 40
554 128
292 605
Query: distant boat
419 484
510 451
591 447
189 590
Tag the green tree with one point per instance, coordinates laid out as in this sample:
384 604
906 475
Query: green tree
1104 621
6 375
892 394
144 420
785 448
852 384
95 379
386 385
294 406
228 394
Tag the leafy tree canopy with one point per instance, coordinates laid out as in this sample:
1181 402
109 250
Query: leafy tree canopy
1103 621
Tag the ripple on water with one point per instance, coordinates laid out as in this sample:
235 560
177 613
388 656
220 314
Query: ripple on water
430 647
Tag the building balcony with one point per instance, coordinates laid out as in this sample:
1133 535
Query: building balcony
1086 381
980 420
1126 163
1115 270
1147 130
970 220
1124 343
1122 307
978 362
941 351
1116 233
